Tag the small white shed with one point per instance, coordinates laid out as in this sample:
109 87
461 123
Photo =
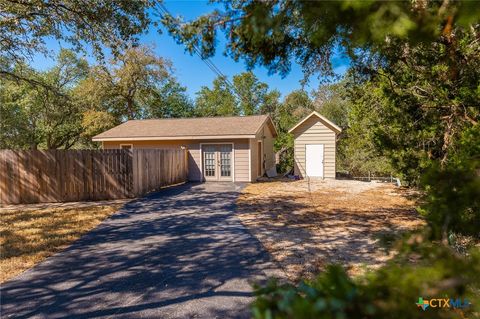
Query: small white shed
315 146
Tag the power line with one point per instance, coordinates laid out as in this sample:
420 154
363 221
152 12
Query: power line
208 62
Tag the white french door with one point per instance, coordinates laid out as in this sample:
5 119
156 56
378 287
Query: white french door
217 162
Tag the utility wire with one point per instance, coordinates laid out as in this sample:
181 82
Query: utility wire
208 62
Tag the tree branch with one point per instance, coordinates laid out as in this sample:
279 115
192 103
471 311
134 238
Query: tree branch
31 81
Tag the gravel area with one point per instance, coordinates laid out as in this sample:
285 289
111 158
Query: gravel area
337 221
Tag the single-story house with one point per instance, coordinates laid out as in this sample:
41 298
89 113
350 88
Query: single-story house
315 140
237 148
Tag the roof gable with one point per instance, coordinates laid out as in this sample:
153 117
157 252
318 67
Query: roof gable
188 128
271 126
321 118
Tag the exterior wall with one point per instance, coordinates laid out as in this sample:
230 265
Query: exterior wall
269 155
241 161
265 135
253 158
240 153
313 131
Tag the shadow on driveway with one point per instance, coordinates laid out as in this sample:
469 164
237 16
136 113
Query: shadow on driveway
180 252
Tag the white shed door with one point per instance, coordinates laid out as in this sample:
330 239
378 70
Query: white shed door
314 160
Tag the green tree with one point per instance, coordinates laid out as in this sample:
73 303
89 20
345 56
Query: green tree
25 25
271 104
94 122
218 101
271 33
430 98
34 116
357 110
452 202
431 94
357 152
14 131
247 95
333 102
130 87
171 100
295 106
251 93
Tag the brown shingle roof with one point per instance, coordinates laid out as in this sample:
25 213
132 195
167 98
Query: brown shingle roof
186 128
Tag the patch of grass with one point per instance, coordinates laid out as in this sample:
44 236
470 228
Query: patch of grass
28 237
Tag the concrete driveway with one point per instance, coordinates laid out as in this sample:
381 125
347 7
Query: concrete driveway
179 253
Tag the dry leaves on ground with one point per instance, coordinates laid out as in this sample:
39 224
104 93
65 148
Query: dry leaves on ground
335 222
29 236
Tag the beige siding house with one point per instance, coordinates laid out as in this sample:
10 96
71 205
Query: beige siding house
315 147
236 149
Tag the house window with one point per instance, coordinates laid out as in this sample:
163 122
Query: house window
126 146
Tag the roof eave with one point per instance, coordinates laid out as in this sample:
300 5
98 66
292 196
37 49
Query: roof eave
170 138
334 127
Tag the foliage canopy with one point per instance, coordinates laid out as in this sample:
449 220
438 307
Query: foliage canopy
270 33
24 25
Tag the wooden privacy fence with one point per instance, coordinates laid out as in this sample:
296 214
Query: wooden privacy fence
77 175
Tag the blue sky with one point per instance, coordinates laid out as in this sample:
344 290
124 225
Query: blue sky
191 71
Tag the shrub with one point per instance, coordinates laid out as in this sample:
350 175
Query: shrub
390 292
452 201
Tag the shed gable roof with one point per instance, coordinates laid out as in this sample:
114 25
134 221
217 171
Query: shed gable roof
188 128
322 119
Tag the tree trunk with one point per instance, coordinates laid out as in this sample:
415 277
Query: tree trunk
130 111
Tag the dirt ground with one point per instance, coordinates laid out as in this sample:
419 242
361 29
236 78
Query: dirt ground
31 233
337 221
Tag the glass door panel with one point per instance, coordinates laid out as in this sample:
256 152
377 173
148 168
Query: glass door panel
210 162
225 154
